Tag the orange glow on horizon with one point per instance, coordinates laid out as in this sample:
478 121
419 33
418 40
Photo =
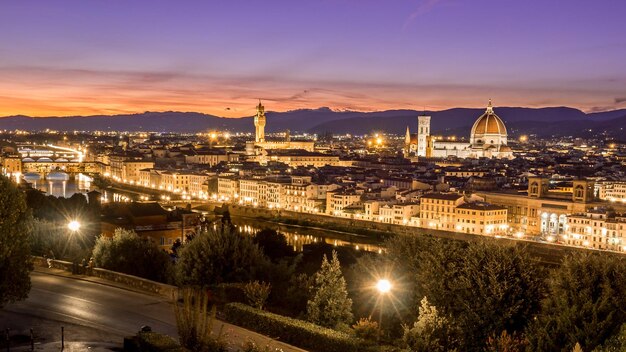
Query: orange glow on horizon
49 92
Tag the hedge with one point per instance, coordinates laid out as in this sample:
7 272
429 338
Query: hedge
293 331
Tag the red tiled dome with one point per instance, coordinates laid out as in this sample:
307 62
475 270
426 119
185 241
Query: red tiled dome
489 123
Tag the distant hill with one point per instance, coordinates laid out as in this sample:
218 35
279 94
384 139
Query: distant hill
560 121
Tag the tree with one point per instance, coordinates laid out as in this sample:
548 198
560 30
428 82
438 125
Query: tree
128 253
585 303
274 244
15 260
616 343
430 333
330 305
483 287
51 239
221 255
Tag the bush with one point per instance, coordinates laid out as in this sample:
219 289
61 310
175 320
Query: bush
366 329
293 331
194 322
154 342
430 333
257 293
506 343
128 253
253 347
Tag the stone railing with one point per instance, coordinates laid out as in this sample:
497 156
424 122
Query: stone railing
134 282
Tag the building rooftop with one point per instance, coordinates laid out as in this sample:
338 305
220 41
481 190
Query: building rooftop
480 206
443 196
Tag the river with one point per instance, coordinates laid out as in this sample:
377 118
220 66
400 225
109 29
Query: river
298 237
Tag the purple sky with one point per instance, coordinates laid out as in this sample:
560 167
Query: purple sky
113 56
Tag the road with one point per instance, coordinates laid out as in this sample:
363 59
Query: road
100 313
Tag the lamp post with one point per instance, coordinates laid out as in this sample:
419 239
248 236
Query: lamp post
383 286
73 226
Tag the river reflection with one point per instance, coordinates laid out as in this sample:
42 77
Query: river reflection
62 185
298 237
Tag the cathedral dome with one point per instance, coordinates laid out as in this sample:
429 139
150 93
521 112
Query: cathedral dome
489 123
489 129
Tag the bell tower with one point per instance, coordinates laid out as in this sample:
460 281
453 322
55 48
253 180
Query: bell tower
423 132
259 123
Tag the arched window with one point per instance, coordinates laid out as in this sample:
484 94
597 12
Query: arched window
579 192
534 188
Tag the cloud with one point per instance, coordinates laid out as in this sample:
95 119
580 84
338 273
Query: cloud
620 100
45 91
424 7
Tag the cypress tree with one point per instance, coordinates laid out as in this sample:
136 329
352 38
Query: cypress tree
330 305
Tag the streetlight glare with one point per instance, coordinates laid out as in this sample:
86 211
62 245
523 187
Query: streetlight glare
383 286
73 225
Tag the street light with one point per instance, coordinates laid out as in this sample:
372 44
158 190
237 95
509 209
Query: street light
73 226
384 287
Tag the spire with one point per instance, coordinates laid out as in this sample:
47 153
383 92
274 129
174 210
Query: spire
489 107
407 137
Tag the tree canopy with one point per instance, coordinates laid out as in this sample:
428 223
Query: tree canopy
128 253
221 255
586 303
15 260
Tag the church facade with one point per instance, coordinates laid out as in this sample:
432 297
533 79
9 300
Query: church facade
488 139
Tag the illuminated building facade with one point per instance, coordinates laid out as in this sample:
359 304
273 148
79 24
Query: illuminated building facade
488 139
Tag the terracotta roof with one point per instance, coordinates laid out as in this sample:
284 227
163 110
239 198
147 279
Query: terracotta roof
480 206
489 123
444 196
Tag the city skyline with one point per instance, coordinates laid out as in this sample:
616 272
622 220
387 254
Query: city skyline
73 58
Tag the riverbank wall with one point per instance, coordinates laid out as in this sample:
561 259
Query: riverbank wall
547 253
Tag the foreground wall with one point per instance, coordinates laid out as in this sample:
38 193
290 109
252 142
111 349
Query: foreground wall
130 281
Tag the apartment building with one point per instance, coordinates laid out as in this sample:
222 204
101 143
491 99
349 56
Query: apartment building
438 210
480 218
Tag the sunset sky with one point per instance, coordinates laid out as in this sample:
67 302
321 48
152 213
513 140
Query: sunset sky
113 56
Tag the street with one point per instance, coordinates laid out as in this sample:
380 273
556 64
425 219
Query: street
93 312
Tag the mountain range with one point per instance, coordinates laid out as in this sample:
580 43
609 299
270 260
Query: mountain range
544 122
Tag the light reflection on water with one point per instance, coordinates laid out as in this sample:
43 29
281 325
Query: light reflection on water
65 189
298 237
